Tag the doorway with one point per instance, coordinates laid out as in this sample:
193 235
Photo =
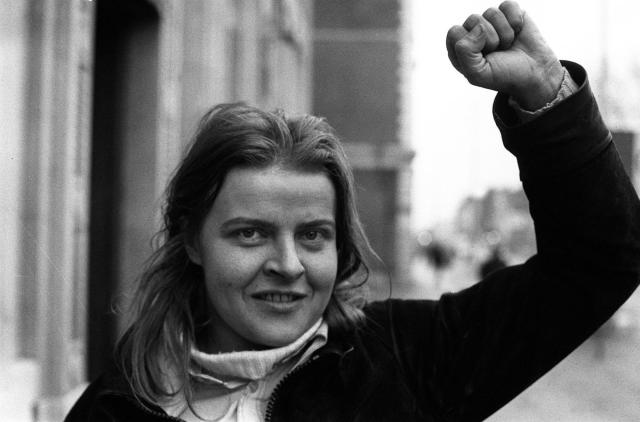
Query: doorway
123 199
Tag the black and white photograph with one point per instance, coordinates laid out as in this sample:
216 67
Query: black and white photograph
319 210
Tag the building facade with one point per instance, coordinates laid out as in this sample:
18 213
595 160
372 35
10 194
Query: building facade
359 74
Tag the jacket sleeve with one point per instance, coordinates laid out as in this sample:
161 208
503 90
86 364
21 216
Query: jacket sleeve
486 344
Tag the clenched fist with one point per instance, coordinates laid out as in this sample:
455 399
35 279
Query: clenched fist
503 50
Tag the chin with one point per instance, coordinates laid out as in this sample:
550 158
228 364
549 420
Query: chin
278 338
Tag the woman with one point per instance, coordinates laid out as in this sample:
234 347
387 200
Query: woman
251 310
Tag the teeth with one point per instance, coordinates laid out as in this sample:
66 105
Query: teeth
278 297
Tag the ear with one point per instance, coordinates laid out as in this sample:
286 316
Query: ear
191 242
193 251
194 255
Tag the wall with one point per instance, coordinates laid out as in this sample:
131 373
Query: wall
358 75
13 37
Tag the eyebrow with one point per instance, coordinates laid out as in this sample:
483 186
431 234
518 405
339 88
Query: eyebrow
245 221
265 224
319 222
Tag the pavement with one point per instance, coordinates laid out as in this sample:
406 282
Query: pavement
585 387
18 389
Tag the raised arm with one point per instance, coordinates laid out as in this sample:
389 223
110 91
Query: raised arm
486 344
517 325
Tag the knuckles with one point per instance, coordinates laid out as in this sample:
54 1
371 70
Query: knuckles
472 21
491 13
454 34
508 5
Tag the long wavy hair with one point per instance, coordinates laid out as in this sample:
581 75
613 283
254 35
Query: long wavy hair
169 309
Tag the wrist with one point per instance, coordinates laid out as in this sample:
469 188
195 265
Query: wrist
542 89
568 87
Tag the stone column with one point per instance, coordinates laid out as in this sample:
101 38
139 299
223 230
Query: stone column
64 111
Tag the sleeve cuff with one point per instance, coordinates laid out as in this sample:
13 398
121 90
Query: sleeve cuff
558 140
567 88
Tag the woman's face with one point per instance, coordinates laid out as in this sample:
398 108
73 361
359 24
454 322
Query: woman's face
268 250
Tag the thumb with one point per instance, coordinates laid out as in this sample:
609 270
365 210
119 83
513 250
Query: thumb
469 52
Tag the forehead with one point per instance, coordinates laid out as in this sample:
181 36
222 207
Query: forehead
275 193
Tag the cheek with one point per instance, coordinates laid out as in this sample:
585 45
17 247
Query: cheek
226 268
322 271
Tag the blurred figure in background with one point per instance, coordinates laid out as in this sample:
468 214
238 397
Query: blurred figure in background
494 262
440 256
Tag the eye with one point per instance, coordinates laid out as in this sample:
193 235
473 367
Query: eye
249 236
247 233
315 237
312 235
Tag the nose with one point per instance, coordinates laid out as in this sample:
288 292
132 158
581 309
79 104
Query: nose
285 261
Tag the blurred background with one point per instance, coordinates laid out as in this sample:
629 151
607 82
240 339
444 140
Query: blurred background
97 101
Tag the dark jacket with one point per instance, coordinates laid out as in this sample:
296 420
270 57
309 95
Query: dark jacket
466 355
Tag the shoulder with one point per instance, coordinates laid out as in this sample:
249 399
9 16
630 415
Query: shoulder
399 319
383 311
107 398
85 407
406 319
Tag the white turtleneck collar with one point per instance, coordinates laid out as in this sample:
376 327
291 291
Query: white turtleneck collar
234 368
236 386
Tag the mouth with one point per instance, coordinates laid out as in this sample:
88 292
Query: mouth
278 297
